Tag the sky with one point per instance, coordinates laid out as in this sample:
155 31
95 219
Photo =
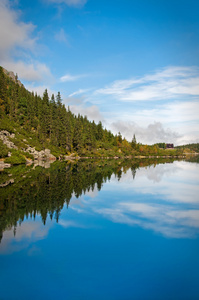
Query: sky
132 64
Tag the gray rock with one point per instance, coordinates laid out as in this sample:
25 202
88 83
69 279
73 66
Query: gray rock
7 183
4 136
4 165
38 155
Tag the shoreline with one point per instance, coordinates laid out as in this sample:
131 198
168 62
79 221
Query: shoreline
46 162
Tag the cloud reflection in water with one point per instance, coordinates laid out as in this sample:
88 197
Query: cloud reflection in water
162 198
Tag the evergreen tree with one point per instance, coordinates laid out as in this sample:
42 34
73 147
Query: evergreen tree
69 131
133 142
78 137
45 116
3 94
119 137
99 131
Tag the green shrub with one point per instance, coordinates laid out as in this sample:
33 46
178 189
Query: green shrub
27 155
7 124
19 143
4 177
16 158
3 149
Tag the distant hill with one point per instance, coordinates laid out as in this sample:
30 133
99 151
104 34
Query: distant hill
189 147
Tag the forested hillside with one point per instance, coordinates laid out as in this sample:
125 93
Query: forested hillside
189 148
48 118
44 122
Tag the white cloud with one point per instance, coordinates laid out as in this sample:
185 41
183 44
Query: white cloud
159 107
163 219
17 41
13 32
25 234
176 121
172 212
31 71
179 188
153 133
169 83
69 77
40 90
79 92
70 223
75 3
178 111
92 112
61 36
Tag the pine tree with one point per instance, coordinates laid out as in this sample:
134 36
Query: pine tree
119 137
133 142
78 137
69 131
99 136
44 117
3 94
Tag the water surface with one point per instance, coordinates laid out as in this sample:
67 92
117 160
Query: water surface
101 230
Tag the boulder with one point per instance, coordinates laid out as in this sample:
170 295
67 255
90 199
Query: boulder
4 165
4 136
7 183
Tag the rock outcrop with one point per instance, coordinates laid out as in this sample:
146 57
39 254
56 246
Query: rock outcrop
4 165
43 154
7 183
13 77
38 155
5 137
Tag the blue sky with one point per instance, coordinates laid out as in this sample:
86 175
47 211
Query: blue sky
134 65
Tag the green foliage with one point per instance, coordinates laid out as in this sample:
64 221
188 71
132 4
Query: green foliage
7 124
18 141
133 142
189 148
161 145
3 149
16 158
27 155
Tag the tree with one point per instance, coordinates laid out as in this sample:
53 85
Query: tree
89 136
78 138
99 131
3 93
44 117
133 142
22 110
59 99
119 137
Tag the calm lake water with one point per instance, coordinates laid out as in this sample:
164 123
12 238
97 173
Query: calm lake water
100 230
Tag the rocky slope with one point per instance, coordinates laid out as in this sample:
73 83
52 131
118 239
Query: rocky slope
6 138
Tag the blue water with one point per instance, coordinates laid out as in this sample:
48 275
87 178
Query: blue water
134 239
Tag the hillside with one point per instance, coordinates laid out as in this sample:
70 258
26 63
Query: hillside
33 127
189 148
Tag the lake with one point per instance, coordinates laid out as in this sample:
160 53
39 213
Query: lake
101 229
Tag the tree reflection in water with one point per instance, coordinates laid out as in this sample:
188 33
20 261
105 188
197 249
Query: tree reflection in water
46 191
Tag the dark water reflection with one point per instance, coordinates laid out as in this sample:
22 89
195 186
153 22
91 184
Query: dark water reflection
101 230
